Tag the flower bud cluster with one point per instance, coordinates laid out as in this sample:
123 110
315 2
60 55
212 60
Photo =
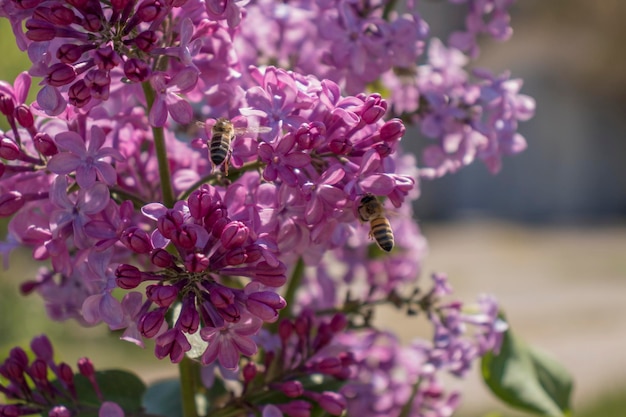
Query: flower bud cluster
42 385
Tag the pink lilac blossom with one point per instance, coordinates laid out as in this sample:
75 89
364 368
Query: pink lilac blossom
276 243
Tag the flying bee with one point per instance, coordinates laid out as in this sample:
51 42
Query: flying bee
222 134
371 210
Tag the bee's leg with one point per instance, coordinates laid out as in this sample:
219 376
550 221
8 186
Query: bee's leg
225 163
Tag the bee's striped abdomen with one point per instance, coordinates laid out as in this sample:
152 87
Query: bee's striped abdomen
382 233
220 145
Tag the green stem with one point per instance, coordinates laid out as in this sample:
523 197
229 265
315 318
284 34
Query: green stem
233 174
161 151
294 284
188 384
406 409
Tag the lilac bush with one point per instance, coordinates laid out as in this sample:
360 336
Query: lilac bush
256 273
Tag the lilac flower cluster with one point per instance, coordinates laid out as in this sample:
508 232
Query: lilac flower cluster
31 390
109 177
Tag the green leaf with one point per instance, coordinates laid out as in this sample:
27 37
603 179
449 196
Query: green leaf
121 387
164 398
528 379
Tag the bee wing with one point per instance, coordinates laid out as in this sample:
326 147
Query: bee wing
252 129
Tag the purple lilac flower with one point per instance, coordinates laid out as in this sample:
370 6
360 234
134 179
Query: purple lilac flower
87 162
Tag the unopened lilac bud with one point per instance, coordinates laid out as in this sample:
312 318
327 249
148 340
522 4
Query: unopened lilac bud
189 319
79 94
339 322
146 40
39 30
234 235
272 276
39 370
24 116
330 365
216 221
60 74
78 4
249 372
7 106
265 305
309 136
92 22
373 109
170 223
162 295
136 240
45 145
201 202
98 81
297 408
340 146
61 15
292 389
128 276
9 150
66 376
236 256
148 10
42 347
230 313
185 237
285 330
151 322
333 403
323 337
119 5
136 70
86 368
196 262
220 296
10 203
19 356
59 411
106 58
392 130
162 258
302 326
69 53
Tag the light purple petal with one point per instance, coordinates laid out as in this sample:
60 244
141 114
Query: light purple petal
91 309
111 310
96 140
85 176
154 210
21 86
58 194
158 113
106 173
64 163
298 160
71 141
186 79
95 199
51 100
180 110
245 345
228 355
378 184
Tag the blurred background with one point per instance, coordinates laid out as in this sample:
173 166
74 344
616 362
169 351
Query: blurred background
546 236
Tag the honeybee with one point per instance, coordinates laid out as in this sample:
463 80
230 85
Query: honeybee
222 134
371 210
